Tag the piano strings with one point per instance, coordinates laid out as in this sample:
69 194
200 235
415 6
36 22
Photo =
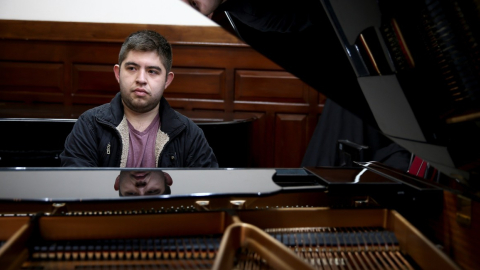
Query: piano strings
344 248
322 247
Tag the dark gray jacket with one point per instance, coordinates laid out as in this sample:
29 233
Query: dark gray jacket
100 139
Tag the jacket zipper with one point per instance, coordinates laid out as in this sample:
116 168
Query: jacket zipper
109 125
174 134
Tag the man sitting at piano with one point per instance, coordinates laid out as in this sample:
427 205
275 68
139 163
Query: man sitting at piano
138 128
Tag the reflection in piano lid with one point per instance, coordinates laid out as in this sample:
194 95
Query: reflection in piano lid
65 184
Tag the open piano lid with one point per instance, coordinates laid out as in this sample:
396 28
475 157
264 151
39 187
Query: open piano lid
410 68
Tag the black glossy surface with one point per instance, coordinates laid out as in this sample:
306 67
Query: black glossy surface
18 148
333 45
58 184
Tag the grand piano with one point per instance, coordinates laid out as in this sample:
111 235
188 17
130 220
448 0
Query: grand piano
408 68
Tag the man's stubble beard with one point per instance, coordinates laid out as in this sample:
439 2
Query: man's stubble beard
140 107
144 105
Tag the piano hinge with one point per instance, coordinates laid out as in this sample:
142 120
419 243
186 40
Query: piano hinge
203 205
58 209
464 210
237 204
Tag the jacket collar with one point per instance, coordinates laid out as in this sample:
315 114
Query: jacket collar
112 112
169 120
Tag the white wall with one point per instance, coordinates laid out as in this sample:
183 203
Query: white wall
170 12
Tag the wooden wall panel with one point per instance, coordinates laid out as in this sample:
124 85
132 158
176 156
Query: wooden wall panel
217 78
197 83
112 32
261 146
290 129
269 86
93 84
31 82
215 56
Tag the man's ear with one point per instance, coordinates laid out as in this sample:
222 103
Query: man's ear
116 70
168 179
169 79
116 186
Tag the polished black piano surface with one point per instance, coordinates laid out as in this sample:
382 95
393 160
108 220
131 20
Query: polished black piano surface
43 184
99 184
406 68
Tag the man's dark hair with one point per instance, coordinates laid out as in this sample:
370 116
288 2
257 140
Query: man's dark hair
147 41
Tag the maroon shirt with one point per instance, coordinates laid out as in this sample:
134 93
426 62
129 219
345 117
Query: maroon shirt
141 152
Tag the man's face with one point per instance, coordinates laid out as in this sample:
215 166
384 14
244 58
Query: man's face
142 78
206 7
141 183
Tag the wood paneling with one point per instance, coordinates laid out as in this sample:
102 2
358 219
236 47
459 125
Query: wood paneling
112 32
31 82
261 145
459 241
93 84
214 56
290 129
61 69
197 83
269 86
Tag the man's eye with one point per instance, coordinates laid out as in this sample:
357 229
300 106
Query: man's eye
153 192
153 71
130 68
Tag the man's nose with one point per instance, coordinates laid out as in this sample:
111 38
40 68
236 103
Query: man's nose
140 184
141 76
